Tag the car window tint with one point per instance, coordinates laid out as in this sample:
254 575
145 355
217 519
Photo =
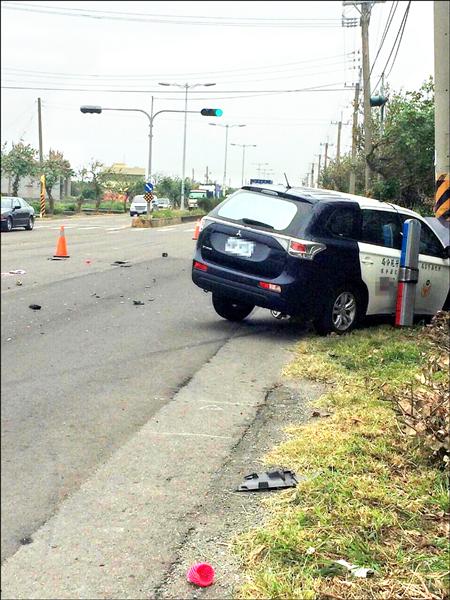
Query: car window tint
381 228
342 222
274 211
429 242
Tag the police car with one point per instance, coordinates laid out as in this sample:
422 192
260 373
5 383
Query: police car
326 256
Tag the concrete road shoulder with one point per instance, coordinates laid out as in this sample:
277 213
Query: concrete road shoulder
118 536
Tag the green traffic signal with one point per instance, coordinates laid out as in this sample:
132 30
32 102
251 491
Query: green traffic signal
211 112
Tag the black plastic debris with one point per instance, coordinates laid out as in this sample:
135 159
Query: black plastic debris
164 255
276 479
26 540
121 263
138 303
35 306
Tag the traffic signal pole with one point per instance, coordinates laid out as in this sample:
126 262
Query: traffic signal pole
442 103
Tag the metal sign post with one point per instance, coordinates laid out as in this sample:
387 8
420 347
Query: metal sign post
408 274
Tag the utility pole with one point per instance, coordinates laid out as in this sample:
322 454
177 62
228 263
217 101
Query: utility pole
207 175
325 162
352 183
192 175
319 156
41 164
365 10
365 19
41 152
338 144
312 174
441 118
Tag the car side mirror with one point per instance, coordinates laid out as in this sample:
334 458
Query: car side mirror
16 206
446 252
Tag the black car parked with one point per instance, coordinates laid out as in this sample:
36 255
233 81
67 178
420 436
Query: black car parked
16 213
329 257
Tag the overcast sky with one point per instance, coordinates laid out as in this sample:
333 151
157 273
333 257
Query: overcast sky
243 47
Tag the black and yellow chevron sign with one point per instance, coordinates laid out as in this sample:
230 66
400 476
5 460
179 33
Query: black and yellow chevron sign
148 196
442 198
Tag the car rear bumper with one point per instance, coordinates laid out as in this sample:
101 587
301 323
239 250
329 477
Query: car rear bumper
296 297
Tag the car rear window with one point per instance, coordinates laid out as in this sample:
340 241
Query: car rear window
253 208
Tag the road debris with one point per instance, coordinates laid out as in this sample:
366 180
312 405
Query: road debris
316 413
18 272
164 255
201 574
138 303
355 570
276 479
26 540
121 263
35 306
19 283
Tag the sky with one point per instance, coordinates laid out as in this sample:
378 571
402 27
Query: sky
115 54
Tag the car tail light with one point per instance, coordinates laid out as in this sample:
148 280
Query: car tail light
272 287
200 266
304 248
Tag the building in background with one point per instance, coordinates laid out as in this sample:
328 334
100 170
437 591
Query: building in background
29 187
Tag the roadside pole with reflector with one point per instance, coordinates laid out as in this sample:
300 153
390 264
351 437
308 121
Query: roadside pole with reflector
42 197
408 273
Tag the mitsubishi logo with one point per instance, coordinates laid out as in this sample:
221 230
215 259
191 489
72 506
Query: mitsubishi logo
239 233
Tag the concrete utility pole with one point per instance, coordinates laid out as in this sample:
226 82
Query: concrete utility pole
325 161
319 156
352 183
338 143
312 174
366 8
207 175
442 103
41 151
365 19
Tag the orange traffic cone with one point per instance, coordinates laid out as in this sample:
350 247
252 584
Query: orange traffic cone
196 230
61 247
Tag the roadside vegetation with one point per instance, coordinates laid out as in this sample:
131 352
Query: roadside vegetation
402 158
377 474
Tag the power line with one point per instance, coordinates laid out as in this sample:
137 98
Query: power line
275 67
396 46
174 19
140 91
391 15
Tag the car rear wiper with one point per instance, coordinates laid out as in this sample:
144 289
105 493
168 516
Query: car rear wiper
253 222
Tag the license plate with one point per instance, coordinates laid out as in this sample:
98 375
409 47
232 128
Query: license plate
239 247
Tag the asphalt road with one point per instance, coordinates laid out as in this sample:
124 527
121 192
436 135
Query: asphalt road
86 372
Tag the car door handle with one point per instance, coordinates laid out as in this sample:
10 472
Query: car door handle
366 260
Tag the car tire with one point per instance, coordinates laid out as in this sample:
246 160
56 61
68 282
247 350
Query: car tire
9 224
341 311
230 309
30 224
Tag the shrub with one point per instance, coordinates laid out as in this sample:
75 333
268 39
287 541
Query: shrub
424 409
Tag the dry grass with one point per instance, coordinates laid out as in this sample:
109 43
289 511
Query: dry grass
370 498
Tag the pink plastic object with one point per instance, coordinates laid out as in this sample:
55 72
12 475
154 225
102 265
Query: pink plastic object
201 574
88 261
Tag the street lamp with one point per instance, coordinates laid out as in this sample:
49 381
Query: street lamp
244 146
226 148
186 87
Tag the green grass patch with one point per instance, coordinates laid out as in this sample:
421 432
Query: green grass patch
370 496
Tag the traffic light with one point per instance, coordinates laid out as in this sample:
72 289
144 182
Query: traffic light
211 112
91 109
378 100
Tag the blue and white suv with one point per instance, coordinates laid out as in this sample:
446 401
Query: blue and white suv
322 255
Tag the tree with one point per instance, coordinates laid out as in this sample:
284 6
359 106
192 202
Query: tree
403 154
402 157
55 167
170 187
19 162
